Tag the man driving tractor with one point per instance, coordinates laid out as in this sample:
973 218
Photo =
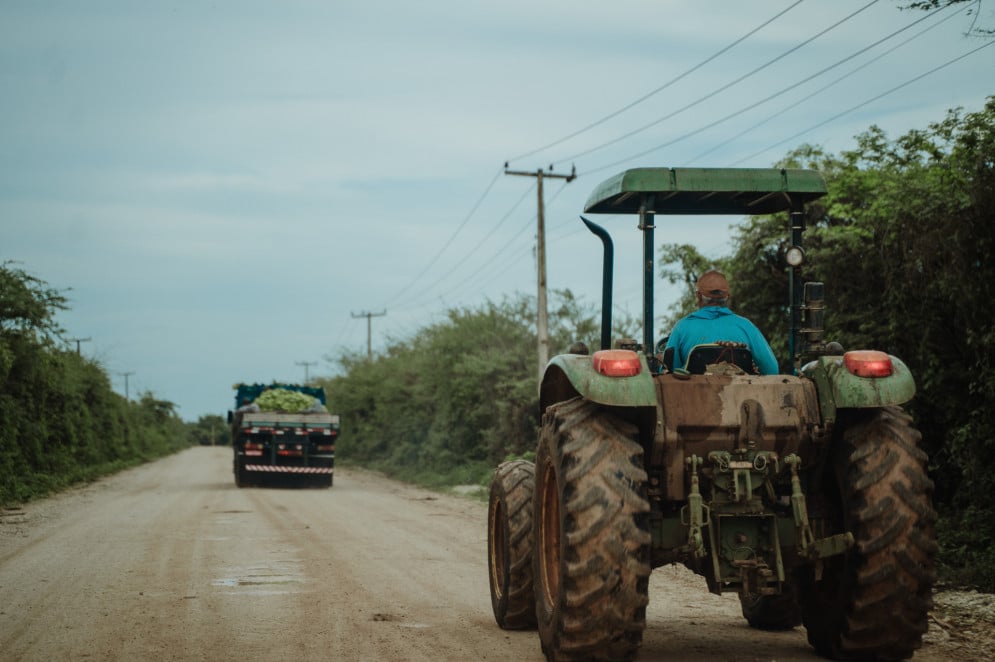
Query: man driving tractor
714 322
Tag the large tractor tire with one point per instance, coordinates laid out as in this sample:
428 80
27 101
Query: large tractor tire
509 545
772 612
872 603
591 563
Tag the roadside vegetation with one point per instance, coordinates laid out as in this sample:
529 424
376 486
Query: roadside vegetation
903 242
60 421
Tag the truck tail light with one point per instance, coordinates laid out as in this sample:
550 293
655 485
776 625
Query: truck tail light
868 363
296 451
325 447
616 362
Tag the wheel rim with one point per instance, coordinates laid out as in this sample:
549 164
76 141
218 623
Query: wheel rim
549 537
497 548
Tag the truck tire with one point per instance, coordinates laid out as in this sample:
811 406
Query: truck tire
241 475
509 545
772 612
591 562
873 601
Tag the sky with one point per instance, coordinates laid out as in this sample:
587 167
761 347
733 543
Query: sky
225 188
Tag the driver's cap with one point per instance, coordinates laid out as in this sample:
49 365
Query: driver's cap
713 285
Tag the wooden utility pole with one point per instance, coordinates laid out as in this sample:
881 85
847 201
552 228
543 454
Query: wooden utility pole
127 396
78 341
369 346
306 364
542 324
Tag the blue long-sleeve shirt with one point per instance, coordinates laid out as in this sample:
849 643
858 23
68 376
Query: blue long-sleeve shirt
711 324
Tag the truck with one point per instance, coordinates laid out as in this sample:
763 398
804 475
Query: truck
805 493
282 430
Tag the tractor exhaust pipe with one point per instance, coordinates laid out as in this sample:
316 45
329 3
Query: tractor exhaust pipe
607 269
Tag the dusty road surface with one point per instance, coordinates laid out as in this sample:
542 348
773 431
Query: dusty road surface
170 561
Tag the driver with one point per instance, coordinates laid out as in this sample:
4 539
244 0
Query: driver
714 322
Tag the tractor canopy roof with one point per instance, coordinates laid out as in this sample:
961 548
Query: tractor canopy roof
742 191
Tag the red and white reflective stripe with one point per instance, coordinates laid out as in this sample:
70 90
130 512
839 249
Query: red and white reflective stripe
288 470
324 431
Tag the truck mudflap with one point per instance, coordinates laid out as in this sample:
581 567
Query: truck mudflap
570 375
275 468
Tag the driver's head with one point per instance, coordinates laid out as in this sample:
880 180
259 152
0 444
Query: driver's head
712 289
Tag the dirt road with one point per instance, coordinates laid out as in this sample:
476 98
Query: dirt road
170 561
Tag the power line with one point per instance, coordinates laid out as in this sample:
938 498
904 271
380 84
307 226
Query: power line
785 54
662 87
450 240
718 90
833 83
869 101
419 303
770 97
478 276
502 268
493 269
486 237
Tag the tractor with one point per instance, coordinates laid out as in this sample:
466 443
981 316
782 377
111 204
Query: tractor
806 492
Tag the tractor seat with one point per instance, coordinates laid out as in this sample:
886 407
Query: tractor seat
704 355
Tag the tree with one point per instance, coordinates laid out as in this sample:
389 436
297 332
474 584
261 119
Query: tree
27 304
905 245
209 430
974 12
459 396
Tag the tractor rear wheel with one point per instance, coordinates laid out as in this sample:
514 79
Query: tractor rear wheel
873 601
591 562
509 545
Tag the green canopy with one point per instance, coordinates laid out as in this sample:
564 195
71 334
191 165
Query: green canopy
742 191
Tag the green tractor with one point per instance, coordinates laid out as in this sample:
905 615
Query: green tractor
805 493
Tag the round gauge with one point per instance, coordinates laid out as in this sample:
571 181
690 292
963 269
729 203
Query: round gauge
794 256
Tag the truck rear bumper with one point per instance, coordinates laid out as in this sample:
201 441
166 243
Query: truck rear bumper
270 468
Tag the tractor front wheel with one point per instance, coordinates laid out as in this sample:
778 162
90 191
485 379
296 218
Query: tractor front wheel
591 562
509 545
873 601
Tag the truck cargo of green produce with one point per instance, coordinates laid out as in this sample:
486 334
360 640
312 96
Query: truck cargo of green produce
282 430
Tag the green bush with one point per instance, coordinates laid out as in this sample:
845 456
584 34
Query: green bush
60 421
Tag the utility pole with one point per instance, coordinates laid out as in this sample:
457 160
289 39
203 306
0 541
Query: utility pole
125 375
368 315
78 341
306 364
542 324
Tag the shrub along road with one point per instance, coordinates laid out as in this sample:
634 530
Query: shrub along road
170 561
